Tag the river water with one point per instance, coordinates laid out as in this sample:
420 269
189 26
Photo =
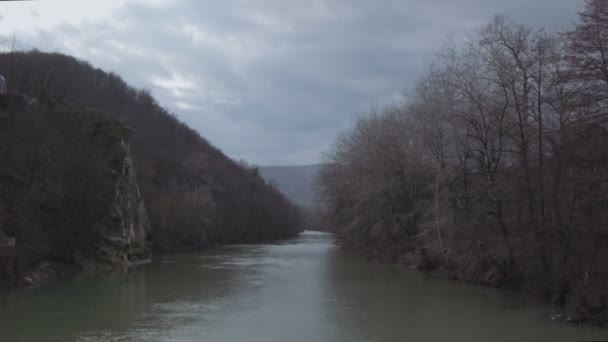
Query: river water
305 289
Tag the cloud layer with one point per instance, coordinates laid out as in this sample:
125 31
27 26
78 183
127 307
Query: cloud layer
269 81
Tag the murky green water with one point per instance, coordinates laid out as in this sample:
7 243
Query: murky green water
302 290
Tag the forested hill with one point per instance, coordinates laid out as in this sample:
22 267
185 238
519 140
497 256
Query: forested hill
194 194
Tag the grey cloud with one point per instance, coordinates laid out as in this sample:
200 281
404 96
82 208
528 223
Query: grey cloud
275 81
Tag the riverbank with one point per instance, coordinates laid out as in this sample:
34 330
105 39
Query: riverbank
300 290
488 277
47 271
491 168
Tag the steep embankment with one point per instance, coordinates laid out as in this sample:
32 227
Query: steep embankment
57 206
70 199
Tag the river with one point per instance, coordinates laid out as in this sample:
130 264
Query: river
306 289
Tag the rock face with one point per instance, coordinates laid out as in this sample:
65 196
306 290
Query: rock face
124 238
89 174
123 233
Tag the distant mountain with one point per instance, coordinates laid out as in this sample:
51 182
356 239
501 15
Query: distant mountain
296 182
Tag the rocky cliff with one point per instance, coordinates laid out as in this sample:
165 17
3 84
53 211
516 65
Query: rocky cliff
69 200
124 235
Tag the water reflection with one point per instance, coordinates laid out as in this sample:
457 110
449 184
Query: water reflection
370 302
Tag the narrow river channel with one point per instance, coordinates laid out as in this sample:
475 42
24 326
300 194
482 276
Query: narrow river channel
305 289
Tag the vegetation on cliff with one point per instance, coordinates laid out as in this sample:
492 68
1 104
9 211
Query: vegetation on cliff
62 161
495 169
61 173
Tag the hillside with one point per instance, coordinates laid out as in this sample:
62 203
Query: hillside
69 198
58 153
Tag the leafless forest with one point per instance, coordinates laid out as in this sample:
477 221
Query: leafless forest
495 168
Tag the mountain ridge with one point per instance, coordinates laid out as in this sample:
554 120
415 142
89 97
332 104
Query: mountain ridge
296 182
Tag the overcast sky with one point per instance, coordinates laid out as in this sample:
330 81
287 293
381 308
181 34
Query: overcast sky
270 81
